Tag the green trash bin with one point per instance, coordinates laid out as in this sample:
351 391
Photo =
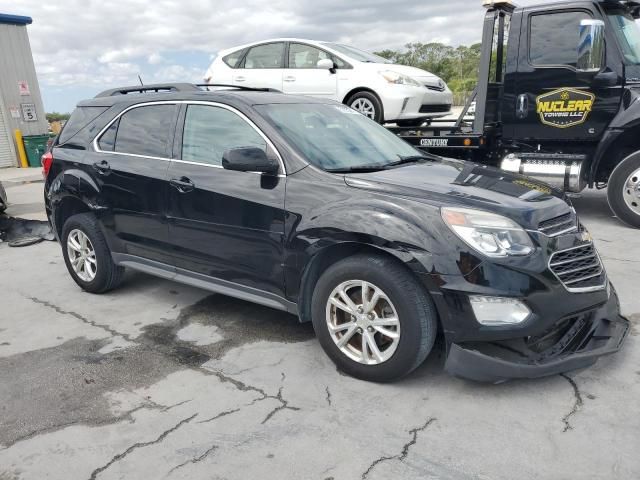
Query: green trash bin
35 146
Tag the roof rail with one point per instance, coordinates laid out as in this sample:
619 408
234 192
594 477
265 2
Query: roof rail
156 87
239 87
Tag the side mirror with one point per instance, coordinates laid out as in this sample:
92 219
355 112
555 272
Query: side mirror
590 46
326 64
249 159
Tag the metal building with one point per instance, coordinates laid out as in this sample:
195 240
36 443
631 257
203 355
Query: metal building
20 101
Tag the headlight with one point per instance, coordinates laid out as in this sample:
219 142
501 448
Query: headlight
488 233
399 79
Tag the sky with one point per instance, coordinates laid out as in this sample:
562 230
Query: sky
81 47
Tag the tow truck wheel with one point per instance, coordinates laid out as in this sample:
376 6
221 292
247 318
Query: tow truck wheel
367 104
624 190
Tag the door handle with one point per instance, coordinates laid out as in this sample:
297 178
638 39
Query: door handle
102 167
522 106
239 79
289 79
183 184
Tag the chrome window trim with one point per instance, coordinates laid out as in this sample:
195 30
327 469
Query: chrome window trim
96 139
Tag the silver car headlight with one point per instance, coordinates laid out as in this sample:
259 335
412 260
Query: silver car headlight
398 78
488 233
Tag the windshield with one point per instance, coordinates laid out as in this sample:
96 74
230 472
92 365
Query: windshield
335 137
627 34
356 53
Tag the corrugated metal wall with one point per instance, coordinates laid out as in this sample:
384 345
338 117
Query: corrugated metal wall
16 65
7 155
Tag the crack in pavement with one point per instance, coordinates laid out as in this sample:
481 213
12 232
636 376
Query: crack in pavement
82 318
221 414
135 446
576 405
284 406
328 395
243 387
405 448
197 459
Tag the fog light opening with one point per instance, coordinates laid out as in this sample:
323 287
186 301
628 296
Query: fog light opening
496 311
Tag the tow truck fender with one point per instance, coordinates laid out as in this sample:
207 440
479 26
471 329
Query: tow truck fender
626 121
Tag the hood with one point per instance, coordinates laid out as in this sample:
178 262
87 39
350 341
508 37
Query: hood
448 182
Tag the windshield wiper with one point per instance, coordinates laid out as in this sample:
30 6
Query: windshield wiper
408 159
357 169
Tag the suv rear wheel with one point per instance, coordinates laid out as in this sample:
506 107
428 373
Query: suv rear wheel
623 190
372 318
87 255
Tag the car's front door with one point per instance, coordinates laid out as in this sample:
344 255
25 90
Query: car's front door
552 100
261 67
130 169
303 77
225 224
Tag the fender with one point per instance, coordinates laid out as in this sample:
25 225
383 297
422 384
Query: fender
627 119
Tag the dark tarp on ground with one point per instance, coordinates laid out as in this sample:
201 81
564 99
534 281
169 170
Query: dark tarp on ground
22 232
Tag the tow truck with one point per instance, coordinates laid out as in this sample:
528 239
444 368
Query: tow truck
558 99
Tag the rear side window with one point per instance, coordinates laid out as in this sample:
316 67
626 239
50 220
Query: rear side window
210 131
554 38
233 58
265 56
80 118
144 131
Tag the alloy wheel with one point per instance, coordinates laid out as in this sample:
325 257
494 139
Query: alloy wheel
631 193
365 107
362 322
82 255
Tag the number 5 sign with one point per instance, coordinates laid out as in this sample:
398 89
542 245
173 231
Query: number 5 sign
29 112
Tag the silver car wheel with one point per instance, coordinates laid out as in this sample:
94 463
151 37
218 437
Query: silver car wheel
631 193
365 107
82 255
362 322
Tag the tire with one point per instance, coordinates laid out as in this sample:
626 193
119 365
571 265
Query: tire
623 190
107 275
368 104
414 309
414 122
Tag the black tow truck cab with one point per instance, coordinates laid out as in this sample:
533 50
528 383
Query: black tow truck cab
557 99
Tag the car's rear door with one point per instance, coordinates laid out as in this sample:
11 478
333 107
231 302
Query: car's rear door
130 167
261 67
223 224
302 75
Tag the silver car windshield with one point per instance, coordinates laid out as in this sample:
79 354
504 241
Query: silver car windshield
335 137
356 53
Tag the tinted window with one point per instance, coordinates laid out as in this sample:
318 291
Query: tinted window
233 58
265 56
146 131
305 56
107 141
80 118
555 38
210 131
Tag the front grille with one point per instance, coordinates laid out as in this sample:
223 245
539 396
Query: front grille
559 225
579 268
435 108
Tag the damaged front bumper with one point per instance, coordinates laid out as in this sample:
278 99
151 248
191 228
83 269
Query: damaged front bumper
572 343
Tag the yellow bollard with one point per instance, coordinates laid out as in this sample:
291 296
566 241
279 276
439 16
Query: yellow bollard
22 154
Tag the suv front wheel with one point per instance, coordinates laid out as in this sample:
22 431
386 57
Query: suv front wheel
87 255
372 318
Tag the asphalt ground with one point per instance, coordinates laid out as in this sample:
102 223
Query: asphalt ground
159 380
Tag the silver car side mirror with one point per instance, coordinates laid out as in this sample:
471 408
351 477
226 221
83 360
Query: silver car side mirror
591 46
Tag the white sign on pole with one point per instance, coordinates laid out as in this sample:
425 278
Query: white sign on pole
29 112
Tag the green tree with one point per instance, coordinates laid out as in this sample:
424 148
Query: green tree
55 116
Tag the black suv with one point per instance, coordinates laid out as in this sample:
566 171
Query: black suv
307 206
